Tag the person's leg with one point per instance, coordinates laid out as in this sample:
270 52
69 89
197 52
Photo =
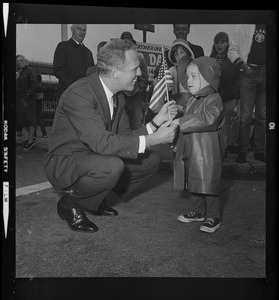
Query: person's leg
197 212
198 202
228 110
32 120
247 102
213 217
235 125
260 115
40 119
136 172
98 176
212 206
93 175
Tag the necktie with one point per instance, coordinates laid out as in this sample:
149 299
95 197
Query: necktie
114 101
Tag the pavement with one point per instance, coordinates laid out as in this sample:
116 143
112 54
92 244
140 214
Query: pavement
145 240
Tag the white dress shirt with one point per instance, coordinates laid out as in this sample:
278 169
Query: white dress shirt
142 141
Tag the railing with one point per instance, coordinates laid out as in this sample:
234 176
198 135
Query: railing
50 101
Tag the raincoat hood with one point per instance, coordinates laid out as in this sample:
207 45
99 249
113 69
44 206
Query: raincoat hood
182 43
210 70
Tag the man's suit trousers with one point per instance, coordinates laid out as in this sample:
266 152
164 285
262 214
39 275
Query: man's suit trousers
99 174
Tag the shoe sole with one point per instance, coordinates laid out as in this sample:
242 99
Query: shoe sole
210 230
185 220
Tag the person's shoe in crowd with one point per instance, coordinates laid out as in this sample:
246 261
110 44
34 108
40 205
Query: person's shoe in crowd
29 146
211 225
260 156
241 158
44 136
192 217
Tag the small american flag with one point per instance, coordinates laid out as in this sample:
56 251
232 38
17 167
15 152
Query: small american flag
164 83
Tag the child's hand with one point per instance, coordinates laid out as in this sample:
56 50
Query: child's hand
168 111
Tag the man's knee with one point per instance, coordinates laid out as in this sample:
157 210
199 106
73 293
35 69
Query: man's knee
116 166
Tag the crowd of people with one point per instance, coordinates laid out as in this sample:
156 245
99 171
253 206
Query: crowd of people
100 140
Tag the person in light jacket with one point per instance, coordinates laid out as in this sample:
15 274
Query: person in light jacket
199 151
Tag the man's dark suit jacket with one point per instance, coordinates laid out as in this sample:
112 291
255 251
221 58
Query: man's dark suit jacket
82 125
197 50
70 63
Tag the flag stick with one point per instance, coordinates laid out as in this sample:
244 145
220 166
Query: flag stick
167 92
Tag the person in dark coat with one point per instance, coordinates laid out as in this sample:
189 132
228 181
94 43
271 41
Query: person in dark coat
26 86
199 153
71 59
229 82
92 149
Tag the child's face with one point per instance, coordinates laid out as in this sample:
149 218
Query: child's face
195 80
221 46
179 53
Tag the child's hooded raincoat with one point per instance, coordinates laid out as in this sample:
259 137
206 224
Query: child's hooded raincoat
198 158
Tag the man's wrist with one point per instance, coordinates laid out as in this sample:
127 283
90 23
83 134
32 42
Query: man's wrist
154 124
157 120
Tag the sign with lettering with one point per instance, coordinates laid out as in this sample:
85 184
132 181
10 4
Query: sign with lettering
145 27
152 54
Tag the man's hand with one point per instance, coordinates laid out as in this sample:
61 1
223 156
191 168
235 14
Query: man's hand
164 135
167 112
247 70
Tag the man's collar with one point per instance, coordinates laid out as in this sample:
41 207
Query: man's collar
108 92
76 41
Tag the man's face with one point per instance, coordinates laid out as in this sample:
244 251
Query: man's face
181 31
79 32
21 62
127 76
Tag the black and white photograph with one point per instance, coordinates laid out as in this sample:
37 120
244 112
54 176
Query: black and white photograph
139 153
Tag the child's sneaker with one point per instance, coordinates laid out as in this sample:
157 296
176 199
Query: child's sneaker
211 225
192 217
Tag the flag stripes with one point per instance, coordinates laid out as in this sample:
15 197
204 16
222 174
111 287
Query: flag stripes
164 82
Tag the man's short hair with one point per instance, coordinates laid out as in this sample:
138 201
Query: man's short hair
183 24
112 55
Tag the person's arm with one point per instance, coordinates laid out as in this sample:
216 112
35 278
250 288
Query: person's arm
60 66
207 118
234 51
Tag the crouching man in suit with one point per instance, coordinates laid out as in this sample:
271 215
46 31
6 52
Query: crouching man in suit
92 149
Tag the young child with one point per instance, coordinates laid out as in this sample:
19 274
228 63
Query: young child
198 156
228 88
178 50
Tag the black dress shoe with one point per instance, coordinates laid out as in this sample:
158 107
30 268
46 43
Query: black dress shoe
103 210
75 217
